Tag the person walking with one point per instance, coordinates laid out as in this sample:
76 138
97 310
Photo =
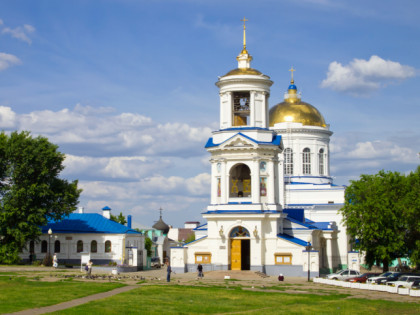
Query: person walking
168 270
55 261
89 268
200 271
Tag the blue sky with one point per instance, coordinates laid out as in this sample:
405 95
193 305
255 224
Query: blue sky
126 88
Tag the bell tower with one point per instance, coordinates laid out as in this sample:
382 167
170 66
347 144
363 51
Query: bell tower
245 164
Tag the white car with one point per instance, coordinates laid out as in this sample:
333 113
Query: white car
343 274
372 280
404 281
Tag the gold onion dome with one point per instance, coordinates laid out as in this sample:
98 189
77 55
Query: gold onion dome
294 110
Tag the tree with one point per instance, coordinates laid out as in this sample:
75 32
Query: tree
412 216
119 219
374 215
148 245
31 192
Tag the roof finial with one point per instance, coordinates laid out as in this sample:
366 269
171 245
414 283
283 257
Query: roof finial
292 70
244 41
160 211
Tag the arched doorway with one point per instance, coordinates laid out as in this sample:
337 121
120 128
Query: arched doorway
240 249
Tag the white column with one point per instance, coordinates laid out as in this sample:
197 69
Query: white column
213 185
252 108
280 181
329 251
270 182
264 109
255 181
224 183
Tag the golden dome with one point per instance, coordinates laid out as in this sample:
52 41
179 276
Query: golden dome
300 112
294 110
239 71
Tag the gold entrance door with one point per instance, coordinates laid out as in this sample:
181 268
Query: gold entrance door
235 254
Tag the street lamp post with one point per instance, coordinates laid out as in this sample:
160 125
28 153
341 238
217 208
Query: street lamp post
49 241
308 249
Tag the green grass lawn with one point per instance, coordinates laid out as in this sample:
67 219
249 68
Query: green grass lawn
19 293
175 299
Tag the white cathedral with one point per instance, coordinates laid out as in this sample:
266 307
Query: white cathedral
274 207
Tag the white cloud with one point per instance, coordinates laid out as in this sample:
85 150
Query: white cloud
8 60
360 77
7 117
20 32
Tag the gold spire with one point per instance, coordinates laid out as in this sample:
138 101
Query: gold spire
292 70
244 51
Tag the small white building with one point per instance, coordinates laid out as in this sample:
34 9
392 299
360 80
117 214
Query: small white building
273 207
90 234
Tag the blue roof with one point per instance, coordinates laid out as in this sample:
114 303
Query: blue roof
322 225
292 239
292 87
276 140
305 224
87 223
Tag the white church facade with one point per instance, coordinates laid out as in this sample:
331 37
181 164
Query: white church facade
273 206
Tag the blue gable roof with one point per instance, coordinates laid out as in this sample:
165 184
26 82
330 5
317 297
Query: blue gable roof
292 239
87 223
275 141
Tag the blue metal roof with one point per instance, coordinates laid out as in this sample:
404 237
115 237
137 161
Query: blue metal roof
87 223
322 225
292 239
275 141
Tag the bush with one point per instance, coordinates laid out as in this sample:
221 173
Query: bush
47 261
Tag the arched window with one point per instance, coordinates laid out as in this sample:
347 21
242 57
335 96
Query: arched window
306 161
57 246
288 161
31 247
321 161
79 246
44 246
93 247
240 181
107 246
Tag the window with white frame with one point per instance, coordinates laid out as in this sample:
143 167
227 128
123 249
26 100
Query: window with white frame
306 161
321 161
288 161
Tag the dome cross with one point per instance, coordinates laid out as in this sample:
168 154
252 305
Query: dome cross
292 70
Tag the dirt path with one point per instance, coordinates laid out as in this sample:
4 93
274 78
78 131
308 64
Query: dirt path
76 302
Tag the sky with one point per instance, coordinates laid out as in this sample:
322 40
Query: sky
126 88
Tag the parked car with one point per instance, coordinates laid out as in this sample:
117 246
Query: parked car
405 281
156 262
363 277
383 276
393 277
343 274
415 285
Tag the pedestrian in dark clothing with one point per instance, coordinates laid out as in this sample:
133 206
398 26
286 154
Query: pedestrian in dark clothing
200 271
168 270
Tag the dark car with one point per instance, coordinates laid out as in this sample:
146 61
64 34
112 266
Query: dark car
393 277
416 285
363 277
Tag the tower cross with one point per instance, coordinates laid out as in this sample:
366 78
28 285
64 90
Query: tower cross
244 20
292 70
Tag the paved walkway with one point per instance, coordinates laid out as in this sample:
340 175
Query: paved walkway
76 302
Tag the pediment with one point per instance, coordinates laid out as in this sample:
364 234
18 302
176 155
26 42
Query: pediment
238 142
